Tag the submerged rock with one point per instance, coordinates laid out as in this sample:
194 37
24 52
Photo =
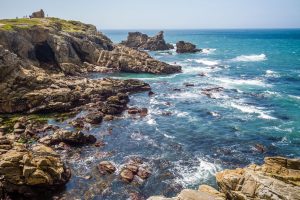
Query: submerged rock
142 41
277 178
106 167
186 47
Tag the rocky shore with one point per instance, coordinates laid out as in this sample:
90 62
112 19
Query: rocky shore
277 178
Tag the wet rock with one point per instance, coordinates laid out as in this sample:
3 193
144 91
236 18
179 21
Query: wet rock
189 84
142 41
186 47
260 148
94 118
177 89
202 74
108 118
143 173
168 113
105 167
68 137
133 111
277 178
99 144
132 167
150 93
29 171
142 111
127 175
77 123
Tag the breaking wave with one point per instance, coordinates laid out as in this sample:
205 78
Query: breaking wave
250 58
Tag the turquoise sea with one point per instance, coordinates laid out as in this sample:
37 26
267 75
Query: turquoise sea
189 136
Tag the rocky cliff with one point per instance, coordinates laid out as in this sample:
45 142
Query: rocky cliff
43 61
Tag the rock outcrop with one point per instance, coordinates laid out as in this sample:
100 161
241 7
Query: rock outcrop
30 171
277 178
42 66
186 47
38 14
144 42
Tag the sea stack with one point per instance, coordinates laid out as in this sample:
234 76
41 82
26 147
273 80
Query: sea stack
142 41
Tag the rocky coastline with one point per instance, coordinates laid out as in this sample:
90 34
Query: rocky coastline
45 65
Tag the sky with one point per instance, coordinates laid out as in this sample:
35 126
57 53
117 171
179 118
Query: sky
164 14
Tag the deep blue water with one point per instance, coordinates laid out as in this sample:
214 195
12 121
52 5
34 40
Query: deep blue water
260 104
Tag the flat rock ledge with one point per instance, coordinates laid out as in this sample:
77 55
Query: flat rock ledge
278 178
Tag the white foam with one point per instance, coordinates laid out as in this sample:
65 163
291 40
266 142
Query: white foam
270 73
208 51
294 97
250 58
251 109
255 82
191 175
204 61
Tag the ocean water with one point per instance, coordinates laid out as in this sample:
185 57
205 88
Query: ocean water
188 136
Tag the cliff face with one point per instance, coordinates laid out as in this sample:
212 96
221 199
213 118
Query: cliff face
43 60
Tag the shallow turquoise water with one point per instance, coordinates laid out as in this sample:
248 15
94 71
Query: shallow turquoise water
260 104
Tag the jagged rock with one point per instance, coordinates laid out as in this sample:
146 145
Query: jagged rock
142 41
106 167
38 14
143 173
186 47
27 171
94 117
277 178
68 137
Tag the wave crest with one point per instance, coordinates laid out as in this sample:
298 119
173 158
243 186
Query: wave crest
250 58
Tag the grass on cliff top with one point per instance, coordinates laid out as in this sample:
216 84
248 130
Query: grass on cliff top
60 24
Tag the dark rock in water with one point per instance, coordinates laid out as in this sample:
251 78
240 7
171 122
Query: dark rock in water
68 137
186 47
142 111
126 175
189 84
150 93
168 113
143 173
260 148
142 41
177 89
105 167
94 117
108 118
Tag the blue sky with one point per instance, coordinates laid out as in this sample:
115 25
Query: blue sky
165 14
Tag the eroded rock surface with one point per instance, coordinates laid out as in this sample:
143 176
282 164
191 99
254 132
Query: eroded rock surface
277 178
29 170
142 41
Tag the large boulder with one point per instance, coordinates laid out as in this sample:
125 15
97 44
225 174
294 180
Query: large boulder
277 178
142 41
186 47
29 171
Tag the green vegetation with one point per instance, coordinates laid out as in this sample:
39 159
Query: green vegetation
56 23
